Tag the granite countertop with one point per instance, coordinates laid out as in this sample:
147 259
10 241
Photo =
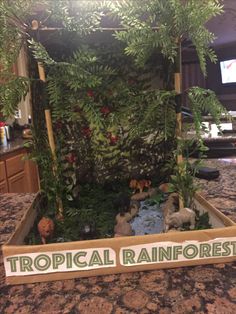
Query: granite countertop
12 146
199 290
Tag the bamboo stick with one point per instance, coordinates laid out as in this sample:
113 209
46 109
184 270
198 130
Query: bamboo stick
50 132
178 89
41 72
51 140
108 29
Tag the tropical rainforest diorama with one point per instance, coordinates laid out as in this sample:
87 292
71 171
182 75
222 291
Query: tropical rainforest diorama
108 74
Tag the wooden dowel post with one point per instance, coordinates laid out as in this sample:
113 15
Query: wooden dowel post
178 89
50 133
41 72
51 141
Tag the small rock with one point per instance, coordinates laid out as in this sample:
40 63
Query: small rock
123 217
123 229
134 210
140 196
164 187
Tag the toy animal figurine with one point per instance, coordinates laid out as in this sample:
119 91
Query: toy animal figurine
139 185
177 219
171 204
45 228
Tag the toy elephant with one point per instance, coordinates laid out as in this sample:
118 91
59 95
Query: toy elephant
177 219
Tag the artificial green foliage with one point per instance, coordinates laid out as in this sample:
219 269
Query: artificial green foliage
96 207
16 29
82 17
12 14
13 88
161 24
12 91
183 180
50 176
91 81
202 221
204 101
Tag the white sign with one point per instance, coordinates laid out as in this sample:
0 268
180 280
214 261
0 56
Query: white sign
96 258
169 252
61 261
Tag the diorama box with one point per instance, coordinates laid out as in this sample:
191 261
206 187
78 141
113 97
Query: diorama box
37 263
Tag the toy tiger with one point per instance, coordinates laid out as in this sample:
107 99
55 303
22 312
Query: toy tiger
139 185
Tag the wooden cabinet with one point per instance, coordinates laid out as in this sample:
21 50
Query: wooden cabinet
17 173
17 183
2 171
15 164
3 187
3 178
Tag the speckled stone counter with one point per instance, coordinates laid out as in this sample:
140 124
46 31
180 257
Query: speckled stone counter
202 289
12 208
12 146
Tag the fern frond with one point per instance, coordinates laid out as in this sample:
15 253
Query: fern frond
205 101
12 91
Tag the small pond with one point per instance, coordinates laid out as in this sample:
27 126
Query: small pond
149 220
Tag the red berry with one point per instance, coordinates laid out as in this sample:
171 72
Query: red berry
86 132
113 139
90 93
71 158
105 110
